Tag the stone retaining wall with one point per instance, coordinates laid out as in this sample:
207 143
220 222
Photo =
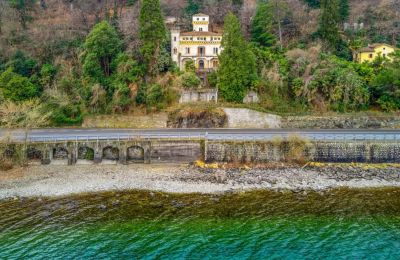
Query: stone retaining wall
263 152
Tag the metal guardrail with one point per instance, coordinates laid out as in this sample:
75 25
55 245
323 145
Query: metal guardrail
223 137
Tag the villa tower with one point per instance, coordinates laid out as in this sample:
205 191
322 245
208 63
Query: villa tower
200 45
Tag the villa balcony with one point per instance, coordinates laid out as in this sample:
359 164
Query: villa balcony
203 70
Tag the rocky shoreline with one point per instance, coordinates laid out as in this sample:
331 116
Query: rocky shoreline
56 180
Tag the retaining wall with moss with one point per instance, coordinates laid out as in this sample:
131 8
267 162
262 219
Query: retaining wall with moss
302 151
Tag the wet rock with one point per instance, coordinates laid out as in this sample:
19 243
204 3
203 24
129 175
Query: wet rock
215 199
72 205
102 207
45 214
177 204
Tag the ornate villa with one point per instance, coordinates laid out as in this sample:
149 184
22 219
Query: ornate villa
200 45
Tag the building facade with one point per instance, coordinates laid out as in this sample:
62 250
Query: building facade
201 45
373 51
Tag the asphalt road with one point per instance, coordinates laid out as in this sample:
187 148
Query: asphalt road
58 134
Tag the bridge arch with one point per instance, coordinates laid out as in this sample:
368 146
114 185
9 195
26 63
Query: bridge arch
9 151
34 154
135 154
85 153
111 153
60 153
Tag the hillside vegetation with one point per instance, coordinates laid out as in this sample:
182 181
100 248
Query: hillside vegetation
63 59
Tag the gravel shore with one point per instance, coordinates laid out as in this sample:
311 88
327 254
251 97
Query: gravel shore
58 180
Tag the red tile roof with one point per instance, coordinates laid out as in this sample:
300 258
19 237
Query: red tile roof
196 33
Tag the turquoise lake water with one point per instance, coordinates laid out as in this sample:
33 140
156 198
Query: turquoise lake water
343 224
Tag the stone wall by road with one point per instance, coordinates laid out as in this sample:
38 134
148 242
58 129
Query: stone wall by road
263 152
340 122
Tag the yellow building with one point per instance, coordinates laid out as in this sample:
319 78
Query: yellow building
373 51
201 45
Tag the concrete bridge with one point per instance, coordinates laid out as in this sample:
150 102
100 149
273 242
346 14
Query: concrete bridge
103 151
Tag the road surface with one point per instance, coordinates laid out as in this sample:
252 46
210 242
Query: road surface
58 134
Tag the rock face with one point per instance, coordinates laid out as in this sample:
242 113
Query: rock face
215 118
247 118
341 122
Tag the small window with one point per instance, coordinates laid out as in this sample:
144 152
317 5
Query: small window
187 50
371 56
204 19
384 55
384 48
175 51
175 39
200 29
191 38
198 19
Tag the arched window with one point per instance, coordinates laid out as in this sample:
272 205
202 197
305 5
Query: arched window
215 63
201 64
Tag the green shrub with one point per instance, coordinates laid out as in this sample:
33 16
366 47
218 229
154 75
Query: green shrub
16 87
155 97
189 80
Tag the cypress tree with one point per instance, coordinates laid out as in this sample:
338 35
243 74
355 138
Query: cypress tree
152 33
262 25
344 10
237 71
192 8
329 23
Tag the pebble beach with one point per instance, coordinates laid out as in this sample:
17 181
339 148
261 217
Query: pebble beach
61 180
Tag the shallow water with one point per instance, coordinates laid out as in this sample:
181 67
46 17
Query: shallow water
356 224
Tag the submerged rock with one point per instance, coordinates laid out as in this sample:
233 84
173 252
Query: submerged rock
102 207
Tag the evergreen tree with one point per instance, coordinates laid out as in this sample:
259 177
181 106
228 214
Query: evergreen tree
344 10
22 64
192 8
102 46
16 87
237 71
262 25
329 23
152 34
313 3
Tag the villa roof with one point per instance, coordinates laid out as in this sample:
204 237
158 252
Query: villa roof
371 47
197 33
366 49
200 14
